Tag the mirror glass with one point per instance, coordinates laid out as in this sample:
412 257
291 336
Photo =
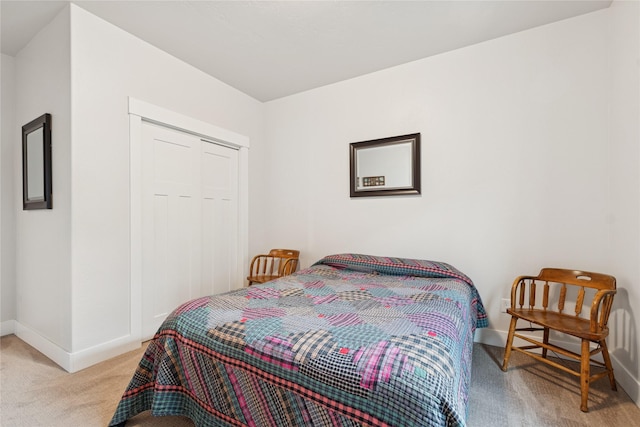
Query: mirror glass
35 165
384 167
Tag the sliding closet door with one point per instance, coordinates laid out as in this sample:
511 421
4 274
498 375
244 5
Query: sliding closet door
219 218
189 220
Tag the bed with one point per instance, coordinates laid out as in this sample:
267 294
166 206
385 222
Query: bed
353 340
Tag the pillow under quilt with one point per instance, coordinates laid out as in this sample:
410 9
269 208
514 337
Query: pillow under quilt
393 266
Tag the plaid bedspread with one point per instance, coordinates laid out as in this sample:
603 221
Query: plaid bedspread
353 340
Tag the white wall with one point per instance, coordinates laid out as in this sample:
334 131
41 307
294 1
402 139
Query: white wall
72 262
513 141
624 136
108 66
43 243
515 163
9 143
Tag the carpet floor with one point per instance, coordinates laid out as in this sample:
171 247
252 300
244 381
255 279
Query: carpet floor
36 392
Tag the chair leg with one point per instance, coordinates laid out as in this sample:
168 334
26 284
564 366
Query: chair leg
545 339
584 375
507 347
607 362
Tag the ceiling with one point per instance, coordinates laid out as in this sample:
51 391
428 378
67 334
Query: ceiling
271 49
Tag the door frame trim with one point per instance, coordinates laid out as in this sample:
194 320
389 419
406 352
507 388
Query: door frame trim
140 111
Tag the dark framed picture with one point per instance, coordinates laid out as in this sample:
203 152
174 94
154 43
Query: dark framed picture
385 167
36 164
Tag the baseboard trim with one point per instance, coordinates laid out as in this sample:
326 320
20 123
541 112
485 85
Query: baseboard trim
76 361
99 353
626 381
7 327
624 377
53 351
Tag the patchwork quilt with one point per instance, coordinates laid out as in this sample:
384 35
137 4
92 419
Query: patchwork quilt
354 340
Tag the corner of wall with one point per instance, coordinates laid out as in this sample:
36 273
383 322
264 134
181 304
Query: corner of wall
624 189
7 199
43 293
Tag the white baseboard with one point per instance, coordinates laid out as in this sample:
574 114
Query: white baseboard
53 351
490 337
626 380
7 327
99 353
624 377
75 361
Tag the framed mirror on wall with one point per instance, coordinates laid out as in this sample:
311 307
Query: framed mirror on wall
36 164
385 167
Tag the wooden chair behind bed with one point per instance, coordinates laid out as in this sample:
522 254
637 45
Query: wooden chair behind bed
564 285
277 263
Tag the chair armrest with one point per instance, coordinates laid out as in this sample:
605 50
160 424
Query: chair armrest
289 266
601 304
257 258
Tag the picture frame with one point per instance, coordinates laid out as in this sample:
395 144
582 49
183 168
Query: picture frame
36 164
385 167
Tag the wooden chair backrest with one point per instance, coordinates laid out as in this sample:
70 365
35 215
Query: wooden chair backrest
601 302
287 260
279 262
577 277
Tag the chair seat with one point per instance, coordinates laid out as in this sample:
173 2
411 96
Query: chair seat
571 325
263 278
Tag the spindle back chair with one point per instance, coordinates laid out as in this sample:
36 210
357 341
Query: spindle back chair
548 309
277 263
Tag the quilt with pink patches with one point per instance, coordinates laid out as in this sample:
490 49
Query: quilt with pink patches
354 340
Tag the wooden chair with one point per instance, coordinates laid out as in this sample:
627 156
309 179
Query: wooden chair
565 284
278 263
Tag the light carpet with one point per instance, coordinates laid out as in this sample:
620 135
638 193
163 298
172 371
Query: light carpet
36 392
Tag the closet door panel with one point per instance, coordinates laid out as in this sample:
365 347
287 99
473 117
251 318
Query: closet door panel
219 218
171 222
189 221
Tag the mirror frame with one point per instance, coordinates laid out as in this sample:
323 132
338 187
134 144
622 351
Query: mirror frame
45 202
412 189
